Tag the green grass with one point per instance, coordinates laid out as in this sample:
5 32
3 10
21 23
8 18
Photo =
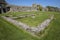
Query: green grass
54 29
10 32
32 22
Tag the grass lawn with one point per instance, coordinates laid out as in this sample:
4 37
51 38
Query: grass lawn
32 22
10 32
54 29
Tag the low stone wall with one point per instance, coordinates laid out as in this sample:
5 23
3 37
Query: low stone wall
33 30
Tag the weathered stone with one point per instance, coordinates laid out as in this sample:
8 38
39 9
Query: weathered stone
3 6
33 30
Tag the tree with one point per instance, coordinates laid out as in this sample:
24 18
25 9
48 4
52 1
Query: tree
39 7
51 8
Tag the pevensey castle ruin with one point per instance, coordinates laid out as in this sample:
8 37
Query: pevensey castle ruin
5 7
23 8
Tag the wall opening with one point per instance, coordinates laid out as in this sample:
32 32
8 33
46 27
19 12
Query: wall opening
4 10
0 11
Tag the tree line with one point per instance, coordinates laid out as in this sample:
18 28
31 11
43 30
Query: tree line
49 8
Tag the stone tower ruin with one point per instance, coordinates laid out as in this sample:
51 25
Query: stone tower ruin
4 7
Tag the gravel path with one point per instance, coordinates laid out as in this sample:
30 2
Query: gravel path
37 29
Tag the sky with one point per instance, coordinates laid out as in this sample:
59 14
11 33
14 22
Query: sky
44 3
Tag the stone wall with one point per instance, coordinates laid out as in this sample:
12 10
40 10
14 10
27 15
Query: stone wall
22 8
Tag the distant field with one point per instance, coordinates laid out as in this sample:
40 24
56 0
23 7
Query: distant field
10 32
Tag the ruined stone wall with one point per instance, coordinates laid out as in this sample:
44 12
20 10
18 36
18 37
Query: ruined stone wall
22 8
